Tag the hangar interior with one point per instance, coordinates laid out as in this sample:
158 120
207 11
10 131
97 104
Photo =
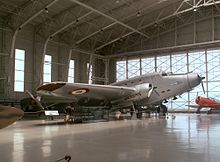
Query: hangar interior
103 42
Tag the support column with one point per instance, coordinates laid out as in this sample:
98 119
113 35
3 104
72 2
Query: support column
11 60
40 81
106 71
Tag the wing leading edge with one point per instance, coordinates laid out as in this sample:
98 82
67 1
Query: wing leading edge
78 91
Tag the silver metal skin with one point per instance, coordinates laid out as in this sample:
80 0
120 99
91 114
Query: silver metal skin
147 90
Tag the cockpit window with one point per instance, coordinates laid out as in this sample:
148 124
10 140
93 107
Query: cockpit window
164 73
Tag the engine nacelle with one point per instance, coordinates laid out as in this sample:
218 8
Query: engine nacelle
142 91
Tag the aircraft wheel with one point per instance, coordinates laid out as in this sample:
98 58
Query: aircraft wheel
209 112
163 109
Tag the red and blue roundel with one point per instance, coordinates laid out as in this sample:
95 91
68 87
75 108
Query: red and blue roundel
79 91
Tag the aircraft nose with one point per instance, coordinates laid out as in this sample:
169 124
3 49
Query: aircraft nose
19 113
194 80
9 115
197 99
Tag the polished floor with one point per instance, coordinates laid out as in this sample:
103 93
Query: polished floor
186 138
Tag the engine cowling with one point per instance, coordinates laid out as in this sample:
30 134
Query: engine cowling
142 91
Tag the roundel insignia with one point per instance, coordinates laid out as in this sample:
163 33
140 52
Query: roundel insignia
79 91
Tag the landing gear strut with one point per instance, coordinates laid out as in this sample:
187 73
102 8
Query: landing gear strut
163 109
69 114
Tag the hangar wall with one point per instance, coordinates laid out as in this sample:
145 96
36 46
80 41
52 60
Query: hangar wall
33 45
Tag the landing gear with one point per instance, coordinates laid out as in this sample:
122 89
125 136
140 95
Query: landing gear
133 113
69 115
163 109
209 111
198 110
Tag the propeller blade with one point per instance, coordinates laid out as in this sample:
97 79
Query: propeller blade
150 92
201 78
203 87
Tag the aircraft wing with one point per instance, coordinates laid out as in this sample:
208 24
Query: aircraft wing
84 93
194 106
210 106
215 105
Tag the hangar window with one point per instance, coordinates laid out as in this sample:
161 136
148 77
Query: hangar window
47 68
179 63
197 64
133 68
19 70
147 65
120 70
90 73
213 64
71 71
163 63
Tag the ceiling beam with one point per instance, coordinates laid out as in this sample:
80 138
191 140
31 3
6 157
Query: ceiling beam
71 23
178 11
109 17
94 33
165 49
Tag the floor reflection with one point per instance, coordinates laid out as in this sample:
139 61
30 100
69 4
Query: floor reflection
18 147
188 138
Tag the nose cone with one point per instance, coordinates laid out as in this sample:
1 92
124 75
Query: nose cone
194 80
197 100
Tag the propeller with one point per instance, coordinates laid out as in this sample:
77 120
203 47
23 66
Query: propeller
152 89
201 78
150 92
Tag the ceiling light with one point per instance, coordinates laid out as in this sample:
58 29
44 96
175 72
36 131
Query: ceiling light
138 13
161 1
195 9
46 10
117 1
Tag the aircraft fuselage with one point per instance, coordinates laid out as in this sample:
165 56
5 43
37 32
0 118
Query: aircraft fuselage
165 86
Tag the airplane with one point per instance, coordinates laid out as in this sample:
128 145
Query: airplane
148 90
8 115
203 102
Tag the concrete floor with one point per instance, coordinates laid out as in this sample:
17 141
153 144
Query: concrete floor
187 138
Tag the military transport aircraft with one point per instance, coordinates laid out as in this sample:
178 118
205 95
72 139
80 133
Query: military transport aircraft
203 102
8 115
148 90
